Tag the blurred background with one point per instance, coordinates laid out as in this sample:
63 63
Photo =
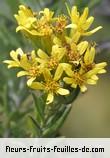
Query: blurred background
90 114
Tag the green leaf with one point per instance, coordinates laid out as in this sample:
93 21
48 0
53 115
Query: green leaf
37 126
40 105
52 119
68 9
50 132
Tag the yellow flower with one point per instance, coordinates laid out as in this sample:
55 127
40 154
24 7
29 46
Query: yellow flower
81 79
27 62
44 23
86 73
61 57
89 64
34 25
50 85
73 51
60 24
47 15
53 60
25 18
81 23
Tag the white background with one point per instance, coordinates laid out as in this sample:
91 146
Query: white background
60 142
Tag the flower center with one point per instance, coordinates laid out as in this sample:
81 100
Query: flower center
72 53
80 28
73 56
79 79
43 27
53 63
88 67
34 71
61 23
51 86
46 30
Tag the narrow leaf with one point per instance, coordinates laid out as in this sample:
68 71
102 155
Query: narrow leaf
49 132
55 116
40 105
36 124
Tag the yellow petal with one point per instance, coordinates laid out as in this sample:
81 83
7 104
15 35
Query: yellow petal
26 10
58 73
92 54
29 82
76 36
73 26
27 31
25 16
50 98
47 14
82 46
84 16
13 55
19 51
61 54
63 91
39 60
74 15
42 54
88 23
11 63
101 65
74 85
68 80
57 52
16 17
22 7
67 69
25 63
47 75
7 61
91 73
92 82
57 41
83 88
89 56
102 71
73 47
19 28
92 31
94 77
22 73
37 86
33 55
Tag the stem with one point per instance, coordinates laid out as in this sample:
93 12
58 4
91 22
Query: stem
54 114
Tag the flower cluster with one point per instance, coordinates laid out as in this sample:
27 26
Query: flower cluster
63 59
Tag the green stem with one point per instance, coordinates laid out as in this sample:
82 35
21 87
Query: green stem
53 115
